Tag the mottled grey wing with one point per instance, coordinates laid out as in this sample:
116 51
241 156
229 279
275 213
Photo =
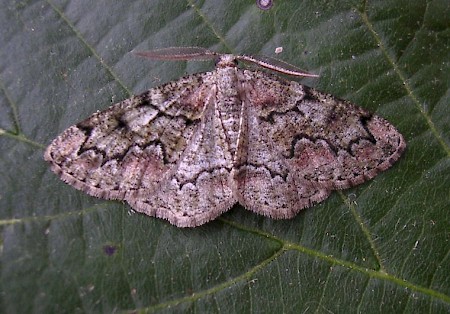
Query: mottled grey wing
302 144
132 149
199 187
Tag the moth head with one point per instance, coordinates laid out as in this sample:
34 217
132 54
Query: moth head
226 60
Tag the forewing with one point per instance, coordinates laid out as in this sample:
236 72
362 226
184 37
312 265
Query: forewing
133 144
302 144
164 152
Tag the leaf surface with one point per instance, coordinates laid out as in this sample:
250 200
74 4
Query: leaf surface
380 247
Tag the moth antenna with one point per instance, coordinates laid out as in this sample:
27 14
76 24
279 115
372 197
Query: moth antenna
179 53
276 65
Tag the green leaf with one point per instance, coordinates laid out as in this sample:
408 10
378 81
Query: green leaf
380 247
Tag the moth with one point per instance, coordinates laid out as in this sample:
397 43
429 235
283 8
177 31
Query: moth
188 150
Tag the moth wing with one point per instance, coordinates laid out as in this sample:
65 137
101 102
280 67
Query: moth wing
199 188
301 144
